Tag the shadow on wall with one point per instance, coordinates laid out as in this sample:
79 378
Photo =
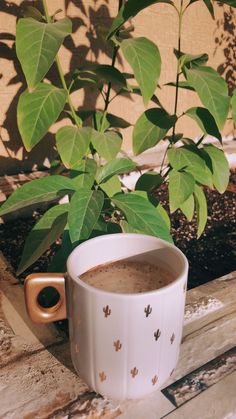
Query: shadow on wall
225 39
97 15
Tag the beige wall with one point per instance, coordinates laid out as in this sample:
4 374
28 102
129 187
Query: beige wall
158 22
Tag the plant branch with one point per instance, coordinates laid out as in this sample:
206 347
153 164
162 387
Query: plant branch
178 65
77 119
114 55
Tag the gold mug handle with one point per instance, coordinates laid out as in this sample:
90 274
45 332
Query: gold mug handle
33 285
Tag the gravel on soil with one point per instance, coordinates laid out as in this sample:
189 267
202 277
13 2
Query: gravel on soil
211 256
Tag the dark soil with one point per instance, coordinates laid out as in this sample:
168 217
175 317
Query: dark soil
211 256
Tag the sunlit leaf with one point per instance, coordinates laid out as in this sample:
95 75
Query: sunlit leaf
44 233
201 208
36 191
145 60
205 121
72 144
37 44
115 167
85 208
220 167
181 186
37 111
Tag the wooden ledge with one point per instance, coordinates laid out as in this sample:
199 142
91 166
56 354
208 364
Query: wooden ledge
37 378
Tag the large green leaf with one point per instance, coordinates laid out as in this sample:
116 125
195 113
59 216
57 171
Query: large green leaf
181 186
110 74
130 9
233 103
201 208
142 215
188 159
37 44
95 76
112 186
72 144
145 60
115 167
38 190
212 89
36 112
220 167
45 232
205 121
107 144
188 207
85 208
127 228
150 128
84 173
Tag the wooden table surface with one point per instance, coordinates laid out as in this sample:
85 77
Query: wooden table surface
37 379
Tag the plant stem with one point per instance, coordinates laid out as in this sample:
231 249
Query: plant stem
62 78
115 51
178 65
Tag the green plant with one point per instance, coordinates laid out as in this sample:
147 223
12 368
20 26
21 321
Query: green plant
97 204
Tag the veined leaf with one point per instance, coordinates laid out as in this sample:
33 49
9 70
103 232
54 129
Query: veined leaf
72 144
37 111
210 7
201 208
233 103
220 167
107 144
45 232
205 121
212 91
142 215
181 186
188 208
85 208
150 128
84 174
112 186
130 9
144 58
107 73
38 190
148 180
186 158
37 44
114 167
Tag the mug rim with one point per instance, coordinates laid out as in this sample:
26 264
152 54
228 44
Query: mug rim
165 288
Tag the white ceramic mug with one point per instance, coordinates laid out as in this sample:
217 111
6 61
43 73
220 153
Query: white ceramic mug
123 345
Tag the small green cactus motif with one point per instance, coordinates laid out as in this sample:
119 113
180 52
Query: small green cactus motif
148 310
134 372
117 345
157 334
185 286
171 372
172 338
154 380
102 376
107 311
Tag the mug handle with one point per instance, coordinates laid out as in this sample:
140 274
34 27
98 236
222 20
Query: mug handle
35 283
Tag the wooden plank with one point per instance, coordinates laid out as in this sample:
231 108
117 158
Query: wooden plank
217 402
18 335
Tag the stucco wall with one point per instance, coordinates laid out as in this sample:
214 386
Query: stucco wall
159 23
